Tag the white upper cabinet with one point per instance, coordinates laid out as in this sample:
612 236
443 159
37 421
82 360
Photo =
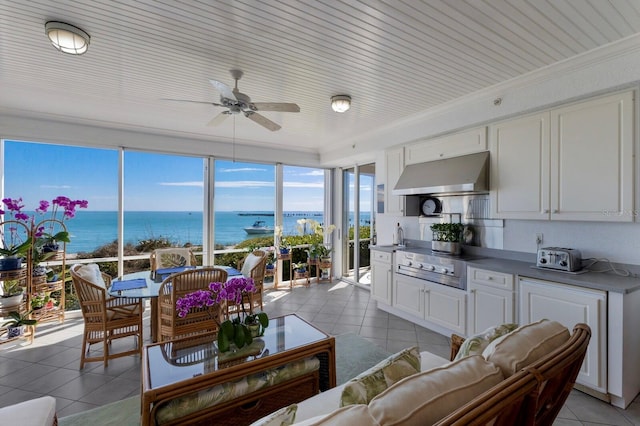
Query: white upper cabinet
569 163
454 145
519 155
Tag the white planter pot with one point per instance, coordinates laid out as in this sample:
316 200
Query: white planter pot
10 301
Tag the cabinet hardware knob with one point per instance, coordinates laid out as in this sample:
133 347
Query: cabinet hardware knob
556 210
546 211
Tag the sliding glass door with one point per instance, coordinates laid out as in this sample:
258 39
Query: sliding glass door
358 201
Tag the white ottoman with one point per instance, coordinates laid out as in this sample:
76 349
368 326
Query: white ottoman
35 412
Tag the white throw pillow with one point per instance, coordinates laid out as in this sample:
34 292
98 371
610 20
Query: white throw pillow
91 272
425 398
525 345
249 263
474 345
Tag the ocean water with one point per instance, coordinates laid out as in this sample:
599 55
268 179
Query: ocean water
91 229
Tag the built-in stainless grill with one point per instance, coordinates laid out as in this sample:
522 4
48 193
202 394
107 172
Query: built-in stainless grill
432 266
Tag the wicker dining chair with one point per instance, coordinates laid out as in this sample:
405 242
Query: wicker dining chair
171 257
106 318
254 265
198 320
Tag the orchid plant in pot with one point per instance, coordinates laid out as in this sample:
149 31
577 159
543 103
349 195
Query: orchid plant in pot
237 331
15 241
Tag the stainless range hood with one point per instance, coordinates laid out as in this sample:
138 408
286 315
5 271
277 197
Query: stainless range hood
464 174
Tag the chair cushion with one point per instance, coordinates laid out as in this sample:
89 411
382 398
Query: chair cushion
249 263
91 273
362 388
474 345
525 345
425 398
34 412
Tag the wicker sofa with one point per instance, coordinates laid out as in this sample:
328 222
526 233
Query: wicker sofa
522 377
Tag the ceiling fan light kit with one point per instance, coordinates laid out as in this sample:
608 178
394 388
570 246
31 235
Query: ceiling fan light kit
341 103
67 38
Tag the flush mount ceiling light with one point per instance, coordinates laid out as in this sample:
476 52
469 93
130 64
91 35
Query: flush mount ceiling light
67 38
340 103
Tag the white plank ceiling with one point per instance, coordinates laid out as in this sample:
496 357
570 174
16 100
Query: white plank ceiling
394 57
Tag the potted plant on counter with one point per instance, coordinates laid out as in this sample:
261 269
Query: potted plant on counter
447 237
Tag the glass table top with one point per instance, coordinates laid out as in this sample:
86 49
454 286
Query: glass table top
182 359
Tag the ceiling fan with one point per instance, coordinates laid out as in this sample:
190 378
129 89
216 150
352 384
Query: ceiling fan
240 103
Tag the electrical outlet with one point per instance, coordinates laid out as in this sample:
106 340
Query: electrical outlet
538 238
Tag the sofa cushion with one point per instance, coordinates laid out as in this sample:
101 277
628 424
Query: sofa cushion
525 345
425 398
282 417
362 388
352 415
474 345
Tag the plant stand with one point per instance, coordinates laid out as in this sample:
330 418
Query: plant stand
323 265
39 284
300 275
4 331
283 257
272 272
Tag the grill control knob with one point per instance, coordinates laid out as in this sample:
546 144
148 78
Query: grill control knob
445 270
431 268
409 263
421 266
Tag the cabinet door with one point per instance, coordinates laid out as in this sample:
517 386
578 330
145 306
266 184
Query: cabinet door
445 306
519 152
592 160
462 143
489 307
381 276
408 294
570 305
394 166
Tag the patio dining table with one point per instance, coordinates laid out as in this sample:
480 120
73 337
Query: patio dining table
143 286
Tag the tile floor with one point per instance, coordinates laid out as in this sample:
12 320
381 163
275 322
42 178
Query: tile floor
49 366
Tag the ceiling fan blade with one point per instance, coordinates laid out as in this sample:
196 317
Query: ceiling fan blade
224 90
262 120
218 119
194 102
276 106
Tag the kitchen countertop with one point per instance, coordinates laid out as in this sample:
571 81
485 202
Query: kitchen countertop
606 281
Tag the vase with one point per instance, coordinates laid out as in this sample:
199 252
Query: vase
10 301
15 331
270 266
50 247
284 250
10 263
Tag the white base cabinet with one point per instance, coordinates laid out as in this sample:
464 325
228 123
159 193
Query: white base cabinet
570 305
381 273
491 299
442 308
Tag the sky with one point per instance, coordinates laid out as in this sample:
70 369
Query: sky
153 182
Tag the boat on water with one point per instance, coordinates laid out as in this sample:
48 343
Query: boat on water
258 227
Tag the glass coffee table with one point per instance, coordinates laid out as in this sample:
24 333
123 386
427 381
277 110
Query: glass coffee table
179 367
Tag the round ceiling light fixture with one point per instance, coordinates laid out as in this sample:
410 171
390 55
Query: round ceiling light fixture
341 103
67 38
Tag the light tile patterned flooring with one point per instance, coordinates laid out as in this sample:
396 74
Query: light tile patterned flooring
49 366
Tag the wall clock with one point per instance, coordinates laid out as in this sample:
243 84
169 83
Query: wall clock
431 206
